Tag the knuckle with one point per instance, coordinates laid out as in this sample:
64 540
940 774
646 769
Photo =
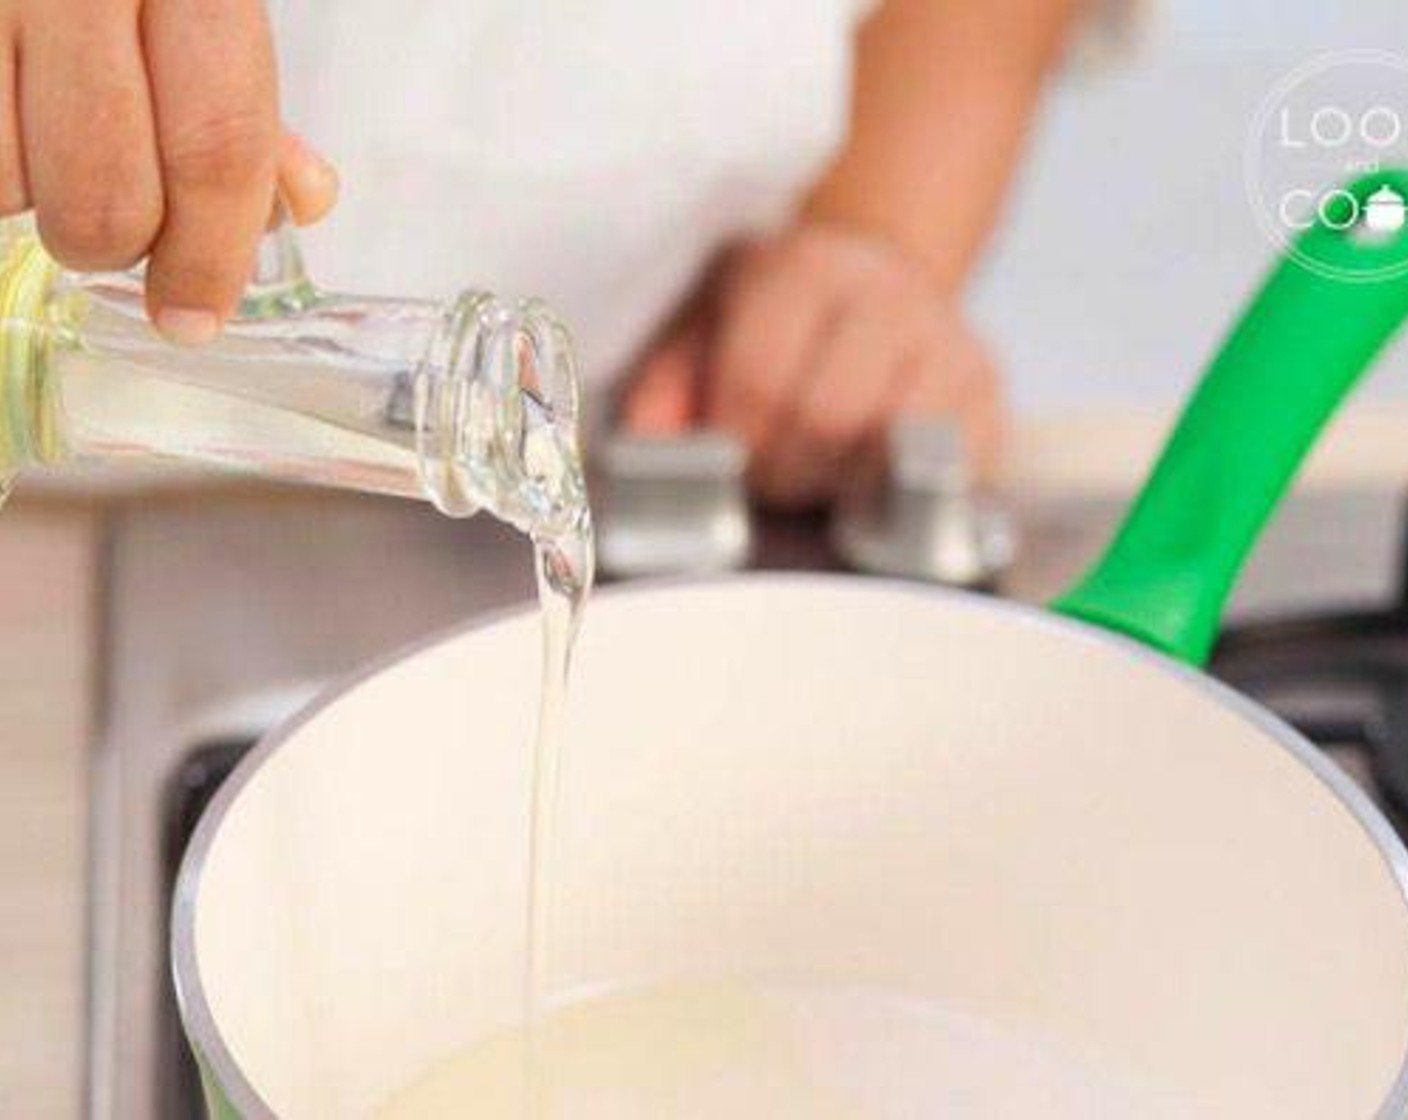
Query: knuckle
827 248
871 314
743 368
929 349
103 231
229 150
753 394
766 275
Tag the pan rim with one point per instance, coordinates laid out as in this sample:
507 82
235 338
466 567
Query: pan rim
198 1018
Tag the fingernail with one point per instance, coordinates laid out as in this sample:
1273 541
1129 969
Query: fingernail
186 327
317 173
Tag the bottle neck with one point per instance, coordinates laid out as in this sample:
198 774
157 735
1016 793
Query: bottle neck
497 416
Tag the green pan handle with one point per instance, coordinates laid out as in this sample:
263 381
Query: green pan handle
1304 342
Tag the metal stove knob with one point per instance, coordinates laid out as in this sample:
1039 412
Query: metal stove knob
676 505
926 518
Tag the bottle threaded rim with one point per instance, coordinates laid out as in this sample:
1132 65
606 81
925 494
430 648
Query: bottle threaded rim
497 406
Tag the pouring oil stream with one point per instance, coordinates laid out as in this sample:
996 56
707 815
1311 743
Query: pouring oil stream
565 566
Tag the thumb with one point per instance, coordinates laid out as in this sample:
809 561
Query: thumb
308 183
664 399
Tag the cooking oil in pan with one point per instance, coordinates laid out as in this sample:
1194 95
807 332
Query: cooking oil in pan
773 1052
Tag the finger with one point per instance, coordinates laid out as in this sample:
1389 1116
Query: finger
846 399
308 183
768 322
664 399
14 185
89 147
968 389
212 74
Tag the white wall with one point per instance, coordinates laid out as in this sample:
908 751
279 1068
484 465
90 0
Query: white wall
1131 243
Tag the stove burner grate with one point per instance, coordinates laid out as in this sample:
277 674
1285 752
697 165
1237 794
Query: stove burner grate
1341 678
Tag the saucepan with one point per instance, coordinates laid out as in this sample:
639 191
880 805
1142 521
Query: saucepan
1051 820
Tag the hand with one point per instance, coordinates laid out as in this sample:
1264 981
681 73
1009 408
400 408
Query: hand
807 346
150 128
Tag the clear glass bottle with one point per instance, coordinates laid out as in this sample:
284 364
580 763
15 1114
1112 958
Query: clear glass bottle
471 405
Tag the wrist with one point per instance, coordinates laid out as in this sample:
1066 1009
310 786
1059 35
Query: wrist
935 198
874 225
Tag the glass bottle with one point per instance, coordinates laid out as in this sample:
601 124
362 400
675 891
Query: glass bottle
471 404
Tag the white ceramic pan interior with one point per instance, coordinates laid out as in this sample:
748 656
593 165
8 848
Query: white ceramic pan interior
822 778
